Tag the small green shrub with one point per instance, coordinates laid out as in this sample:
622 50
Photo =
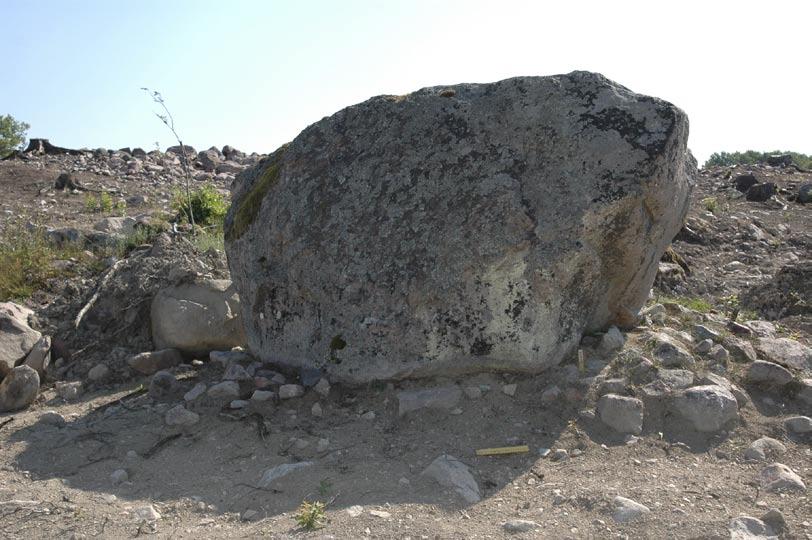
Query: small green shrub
710 204
695 303
27 261
208 206
103 204
310 515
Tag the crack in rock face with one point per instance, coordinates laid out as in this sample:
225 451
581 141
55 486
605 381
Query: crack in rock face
458 229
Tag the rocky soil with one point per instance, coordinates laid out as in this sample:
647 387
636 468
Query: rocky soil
694 424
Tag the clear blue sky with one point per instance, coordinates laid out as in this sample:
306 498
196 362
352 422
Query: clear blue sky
254 73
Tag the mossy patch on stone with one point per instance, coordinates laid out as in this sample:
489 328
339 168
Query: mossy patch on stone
248 207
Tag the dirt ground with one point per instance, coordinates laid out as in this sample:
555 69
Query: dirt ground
204 480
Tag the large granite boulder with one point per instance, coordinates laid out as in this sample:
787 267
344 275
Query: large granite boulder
457 229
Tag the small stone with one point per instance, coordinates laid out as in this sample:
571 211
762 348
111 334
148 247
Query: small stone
316 410
39 357
550 395
472 392
764 448
669 352
587 414
369 415
148 363
750 528
322 445
225 391
798 424
544 452
612 340
702 332
355 511
291 391
119 476
180 416
509 389
779 477
612 386
226 358
235 372
708 408
238 404
380 514
775 520
720 354
197 390
69 391
261 396
515 526
98 373
20 387
768 374
805 391
450 472
560 454
52 418
322 387
627 510
704 346
623 414
147 513
163 386
249 515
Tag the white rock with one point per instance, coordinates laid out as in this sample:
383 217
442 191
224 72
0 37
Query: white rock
515 526
627 510
612 340
316 410
290 391
708 408
147 513
355 510
322 387
768 373
69 391
623 414
275 473
197 317
509 389
750 528
450 472
779 477
261 396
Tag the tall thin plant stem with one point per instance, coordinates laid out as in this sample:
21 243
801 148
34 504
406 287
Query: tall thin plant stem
169 122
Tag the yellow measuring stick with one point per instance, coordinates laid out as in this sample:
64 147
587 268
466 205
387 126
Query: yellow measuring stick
523 449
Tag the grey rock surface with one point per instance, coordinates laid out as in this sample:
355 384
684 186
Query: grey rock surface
19 388
441 397
197 318
450 472
708 408
16 337
623 414
627 510
476 227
